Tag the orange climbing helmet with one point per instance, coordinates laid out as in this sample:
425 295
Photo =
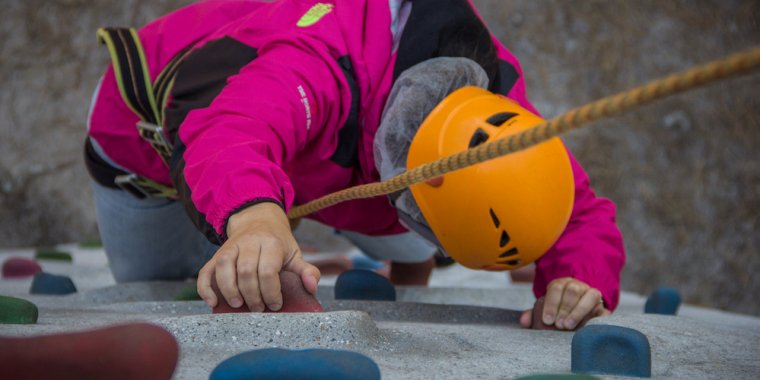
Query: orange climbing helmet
500 214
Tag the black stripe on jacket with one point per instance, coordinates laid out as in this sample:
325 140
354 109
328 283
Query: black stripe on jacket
200 78
450 28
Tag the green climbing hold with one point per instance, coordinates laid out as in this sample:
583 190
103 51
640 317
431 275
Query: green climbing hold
91 243
17 311
52 254
188 294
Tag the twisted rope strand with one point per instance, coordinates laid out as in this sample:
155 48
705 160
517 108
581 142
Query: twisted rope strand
606 107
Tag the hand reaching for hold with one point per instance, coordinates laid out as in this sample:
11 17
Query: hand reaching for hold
246 267
568 304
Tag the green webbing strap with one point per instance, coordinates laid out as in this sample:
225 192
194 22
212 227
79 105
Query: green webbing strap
131 71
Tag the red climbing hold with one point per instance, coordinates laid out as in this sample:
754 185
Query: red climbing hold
133 351
295 298
20 267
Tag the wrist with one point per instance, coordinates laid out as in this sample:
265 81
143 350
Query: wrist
263 211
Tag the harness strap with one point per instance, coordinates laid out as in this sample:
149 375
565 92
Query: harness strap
131 69
144 98
164 82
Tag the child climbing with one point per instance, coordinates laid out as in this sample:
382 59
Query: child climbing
246 108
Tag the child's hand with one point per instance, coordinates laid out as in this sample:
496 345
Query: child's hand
246 268
568 304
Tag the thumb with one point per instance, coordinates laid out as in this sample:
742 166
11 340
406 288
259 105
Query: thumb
526 318
309 273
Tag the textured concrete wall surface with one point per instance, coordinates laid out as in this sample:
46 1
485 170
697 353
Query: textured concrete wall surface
684 172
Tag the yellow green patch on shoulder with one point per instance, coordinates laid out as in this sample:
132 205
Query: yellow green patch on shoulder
314 14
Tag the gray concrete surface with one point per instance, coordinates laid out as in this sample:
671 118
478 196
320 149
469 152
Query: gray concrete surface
455 332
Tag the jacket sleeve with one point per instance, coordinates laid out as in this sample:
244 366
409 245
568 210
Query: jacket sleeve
591 247
230 154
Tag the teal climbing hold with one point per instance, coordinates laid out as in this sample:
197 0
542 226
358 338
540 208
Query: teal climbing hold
17 311
282 364
364 262
46 283
663 301
611 350
52 254
360 284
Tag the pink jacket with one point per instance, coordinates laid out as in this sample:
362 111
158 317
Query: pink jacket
269 128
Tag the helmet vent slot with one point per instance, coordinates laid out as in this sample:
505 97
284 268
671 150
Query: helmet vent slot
499 119
480 136
504 239
510 262
510 252
494 218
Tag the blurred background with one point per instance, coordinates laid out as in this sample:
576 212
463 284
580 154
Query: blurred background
684 172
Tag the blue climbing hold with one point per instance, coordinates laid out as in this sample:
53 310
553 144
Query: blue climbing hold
611 350
46 283
663 301
282 364
360 284
364 262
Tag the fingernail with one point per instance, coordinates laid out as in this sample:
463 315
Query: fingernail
548 319
274 307
570 324
236 302
560 323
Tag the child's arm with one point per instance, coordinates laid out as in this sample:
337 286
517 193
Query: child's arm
584 265
229 160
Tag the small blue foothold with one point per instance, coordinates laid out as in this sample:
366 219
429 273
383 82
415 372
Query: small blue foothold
282 364
612 350
360 284
364 262
558 376
46 283
663 301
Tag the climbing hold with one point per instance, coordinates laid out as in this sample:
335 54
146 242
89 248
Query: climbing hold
537 322
558 376
189 293
364 262
46 283
52 254
663 301
17 311
20 267
295 298
359 284
278 363
611 350
94 242
133 351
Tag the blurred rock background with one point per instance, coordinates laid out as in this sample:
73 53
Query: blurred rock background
684 172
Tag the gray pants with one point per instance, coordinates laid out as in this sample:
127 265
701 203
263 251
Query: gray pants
153 239
148 239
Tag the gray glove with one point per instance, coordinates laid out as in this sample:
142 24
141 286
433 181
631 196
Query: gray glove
414 95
